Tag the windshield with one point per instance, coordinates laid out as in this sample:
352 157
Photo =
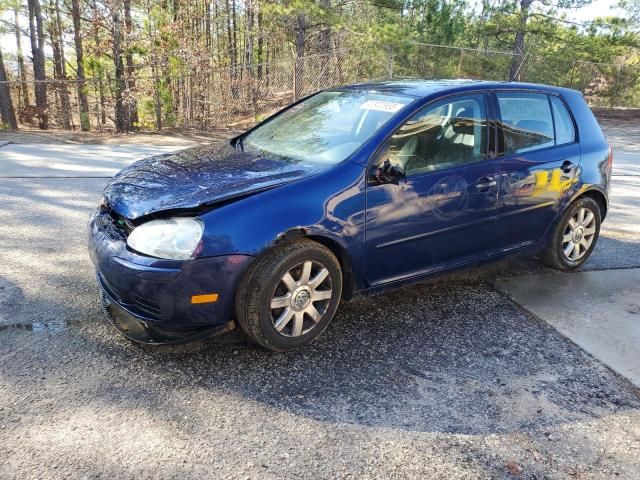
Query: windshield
324 129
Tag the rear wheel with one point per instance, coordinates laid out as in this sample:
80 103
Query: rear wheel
290 295
575 236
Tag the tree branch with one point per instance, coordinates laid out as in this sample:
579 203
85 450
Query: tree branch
14 27
561 20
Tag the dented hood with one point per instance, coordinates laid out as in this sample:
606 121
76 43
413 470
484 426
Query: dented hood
195 177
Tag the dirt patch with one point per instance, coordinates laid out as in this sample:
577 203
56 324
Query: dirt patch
165 137
604 113
613 121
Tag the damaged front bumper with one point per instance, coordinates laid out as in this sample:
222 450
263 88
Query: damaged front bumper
151 300
143 331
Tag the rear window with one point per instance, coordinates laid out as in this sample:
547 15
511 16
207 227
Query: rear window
527 121
565 130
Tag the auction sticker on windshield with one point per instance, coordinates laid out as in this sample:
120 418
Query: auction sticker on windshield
382 106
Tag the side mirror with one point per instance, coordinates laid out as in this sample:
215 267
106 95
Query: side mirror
388 173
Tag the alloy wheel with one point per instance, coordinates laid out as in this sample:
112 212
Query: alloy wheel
579 234
301 298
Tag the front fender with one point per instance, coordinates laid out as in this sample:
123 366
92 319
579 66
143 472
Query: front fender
330 205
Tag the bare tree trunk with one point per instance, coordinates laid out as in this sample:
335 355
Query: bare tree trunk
24 87
7 114
260 44
231 35
518 46
336 56
103 109
132 104
157 82
301 28
325 33
249 61
216 34
482 20
36 35
103 100
122 117
250 12
207 24
267 68
66 103
85 123
235 32
59 67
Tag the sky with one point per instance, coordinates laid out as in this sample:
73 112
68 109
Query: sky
598 8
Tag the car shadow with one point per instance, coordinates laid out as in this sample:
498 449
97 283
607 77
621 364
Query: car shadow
449 356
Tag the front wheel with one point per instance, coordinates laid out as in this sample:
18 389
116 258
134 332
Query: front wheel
290 295
575 236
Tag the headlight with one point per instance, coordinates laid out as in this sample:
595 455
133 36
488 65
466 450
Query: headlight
174 238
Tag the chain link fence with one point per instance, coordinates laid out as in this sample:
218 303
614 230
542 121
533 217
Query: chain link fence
239 96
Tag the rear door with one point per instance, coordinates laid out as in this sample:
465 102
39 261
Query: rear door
539 158
437 208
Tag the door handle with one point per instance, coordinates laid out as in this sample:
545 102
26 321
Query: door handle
566 166
485 183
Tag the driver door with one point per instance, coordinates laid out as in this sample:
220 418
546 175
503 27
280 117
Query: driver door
431 194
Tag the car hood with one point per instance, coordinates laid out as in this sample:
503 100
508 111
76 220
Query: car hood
193 178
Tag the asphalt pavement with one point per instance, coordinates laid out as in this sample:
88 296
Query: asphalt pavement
449 379
69 160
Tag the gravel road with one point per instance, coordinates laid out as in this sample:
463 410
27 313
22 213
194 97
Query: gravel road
448 379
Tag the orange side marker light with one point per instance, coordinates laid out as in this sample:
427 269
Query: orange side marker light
208 298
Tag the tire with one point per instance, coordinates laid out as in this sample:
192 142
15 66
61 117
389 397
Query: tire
567 234
277 311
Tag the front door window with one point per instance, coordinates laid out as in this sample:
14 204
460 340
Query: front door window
448 134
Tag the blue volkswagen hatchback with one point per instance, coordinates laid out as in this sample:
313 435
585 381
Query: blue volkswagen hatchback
350 190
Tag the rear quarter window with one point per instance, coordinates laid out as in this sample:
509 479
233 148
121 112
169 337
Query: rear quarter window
565 129
527 121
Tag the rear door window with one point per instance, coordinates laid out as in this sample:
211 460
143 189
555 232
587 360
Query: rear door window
527 121
565 130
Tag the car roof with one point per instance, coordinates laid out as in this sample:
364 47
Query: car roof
422 88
